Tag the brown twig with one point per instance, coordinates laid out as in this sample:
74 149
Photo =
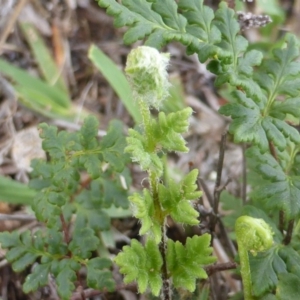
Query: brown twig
218 188
214 201
65 229
220 267
9 26
281 221
244 185
223 232
206 191
289 232
219 173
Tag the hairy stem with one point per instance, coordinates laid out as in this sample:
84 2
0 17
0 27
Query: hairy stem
166 291
253 235
245 271
146 116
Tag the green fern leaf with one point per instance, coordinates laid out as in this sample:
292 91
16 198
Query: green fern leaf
46 211
160 23
142 264
56 244
257 115
169 129
21 250
90 211
88 133
264 269
229 28
57 143
9 239
38 278
237 68
88 140
250 125
143 209
291 258
282 70
58 180
113 190
65 282
168 11
281 191
175 199
185 263
136 146
288 287
289 106
267 269
90 214
83 242
200 19
137 15
98 274
164 134
112 146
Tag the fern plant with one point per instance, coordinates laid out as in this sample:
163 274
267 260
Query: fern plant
160 261
264 100
65 245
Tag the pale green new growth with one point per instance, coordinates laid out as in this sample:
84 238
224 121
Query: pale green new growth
146 70
143 209
186 262
253 235
142 264
174 199
154 265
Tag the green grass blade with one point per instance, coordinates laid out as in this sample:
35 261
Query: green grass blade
42 103
116 79
25 80
46 64
14 192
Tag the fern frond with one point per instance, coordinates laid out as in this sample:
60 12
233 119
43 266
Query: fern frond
175 199
260 117
185 263
161 23
142 264
281 191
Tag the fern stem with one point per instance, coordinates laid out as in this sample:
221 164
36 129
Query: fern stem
166 290
245 272
146 117
253 235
